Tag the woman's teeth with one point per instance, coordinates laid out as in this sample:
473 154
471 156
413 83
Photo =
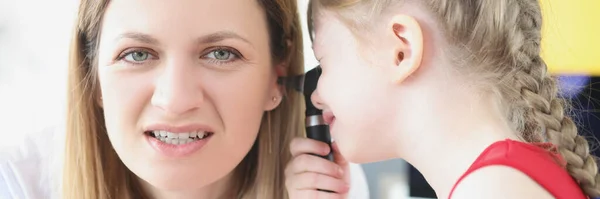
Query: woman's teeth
179 138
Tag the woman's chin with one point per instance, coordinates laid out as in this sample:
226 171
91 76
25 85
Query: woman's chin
174 183
178 180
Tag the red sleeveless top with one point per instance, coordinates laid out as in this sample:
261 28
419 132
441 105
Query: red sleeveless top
544 167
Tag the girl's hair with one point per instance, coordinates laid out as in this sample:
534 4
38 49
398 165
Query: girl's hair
92 168
500 41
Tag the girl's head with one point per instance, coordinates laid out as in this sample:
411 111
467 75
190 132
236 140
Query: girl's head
408 64
204 67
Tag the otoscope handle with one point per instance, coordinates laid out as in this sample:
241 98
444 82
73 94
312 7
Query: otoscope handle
317 129
320 133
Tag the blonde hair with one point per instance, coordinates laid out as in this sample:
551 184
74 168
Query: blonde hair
499 39
92 169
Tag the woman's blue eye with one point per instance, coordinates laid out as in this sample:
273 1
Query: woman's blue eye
221 55
137 56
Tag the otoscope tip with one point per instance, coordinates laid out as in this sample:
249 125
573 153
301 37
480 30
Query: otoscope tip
294 82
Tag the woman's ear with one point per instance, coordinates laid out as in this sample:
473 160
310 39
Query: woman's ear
277 90
407 37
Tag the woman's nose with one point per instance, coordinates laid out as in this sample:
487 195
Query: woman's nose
178 90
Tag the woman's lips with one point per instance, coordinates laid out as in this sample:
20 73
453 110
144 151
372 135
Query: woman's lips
179 150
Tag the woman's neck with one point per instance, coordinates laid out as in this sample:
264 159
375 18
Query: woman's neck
217 190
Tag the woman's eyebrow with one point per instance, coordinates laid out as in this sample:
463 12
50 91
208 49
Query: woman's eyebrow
141 37
220 36
206 39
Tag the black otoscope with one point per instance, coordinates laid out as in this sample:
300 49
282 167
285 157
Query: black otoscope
316 128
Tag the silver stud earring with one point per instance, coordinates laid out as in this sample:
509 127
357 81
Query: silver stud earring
274 99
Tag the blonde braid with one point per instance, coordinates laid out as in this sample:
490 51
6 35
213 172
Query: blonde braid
544 111
501 40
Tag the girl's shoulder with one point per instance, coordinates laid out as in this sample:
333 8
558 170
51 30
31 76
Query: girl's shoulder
515 169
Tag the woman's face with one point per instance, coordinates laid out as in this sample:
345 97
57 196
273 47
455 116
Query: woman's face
184 86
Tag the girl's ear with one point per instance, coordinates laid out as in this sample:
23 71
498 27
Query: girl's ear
408 46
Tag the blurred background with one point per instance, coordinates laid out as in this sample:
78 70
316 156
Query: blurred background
34 42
